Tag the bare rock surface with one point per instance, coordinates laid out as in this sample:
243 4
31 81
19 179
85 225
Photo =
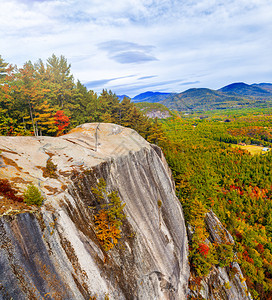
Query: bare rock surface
158 114
53 252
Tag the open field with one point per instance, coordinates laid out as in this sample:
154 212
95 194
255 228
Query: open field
254 150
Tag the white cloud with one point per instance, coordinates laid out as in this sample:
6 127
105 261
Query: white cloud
207 42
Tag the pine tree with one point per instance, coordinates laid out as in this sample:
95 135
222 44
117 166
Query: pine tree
3 69
61 82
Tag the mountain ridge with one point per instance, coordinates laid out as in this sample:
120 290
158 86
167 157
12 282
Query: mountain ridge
234 95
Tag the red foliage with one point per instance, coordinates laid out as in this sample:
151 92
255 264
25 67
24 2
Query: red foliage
260 248
196 280
203 249
9 192
61 120
10 130
247 258
236 188
238 235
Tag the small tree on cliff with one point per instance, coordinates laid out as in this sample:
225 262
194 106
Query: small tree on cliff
32 196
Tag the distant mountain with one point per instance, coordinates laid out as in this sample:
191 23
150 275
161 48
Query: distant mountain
151 97
203 99
121 97
265 86
235 95
241 88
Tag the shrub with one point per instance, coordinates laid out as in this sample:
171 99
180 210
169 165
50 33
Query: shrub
227 285
108 219
32 195
50 169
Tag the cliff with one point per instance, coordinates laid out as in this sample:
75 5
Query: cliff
58 251
228 282
53 252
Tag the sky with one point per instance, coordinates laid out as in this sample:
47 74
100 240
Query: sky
134 46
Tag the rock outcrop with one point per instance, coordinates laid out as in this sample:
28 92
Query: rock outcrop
53 252
155 113
228 282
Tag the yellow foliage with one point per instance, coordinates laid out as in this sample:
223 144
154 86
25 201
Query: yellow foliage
108 220
107 231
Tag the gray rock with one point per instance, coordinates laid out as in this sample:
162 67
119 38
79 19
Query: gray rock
53 253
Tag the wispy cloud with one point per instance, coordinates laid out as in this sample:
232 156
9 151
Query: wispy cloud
126 52
130 89
103 82
147 77
130 57
114 46
96 83
189 82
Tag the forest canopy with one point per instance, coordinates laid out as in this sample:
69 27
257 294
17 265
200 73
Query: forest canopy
43 99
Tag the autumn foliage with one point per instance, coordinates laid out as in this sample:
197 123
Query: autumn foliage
109 216
62 121
8 191
203 249
106 230
211 173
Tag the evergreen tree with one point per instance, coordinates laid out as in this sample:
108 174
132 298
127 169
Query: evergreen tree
3 69
61 82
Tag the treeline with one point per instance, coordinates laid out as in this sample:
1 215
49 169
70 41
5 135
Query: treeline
43 99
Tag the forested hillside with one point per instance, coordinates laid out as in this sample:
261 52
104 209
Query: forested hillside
212 172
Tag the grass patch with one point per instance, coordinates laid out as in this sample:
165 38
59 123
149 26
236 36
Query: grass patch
252 149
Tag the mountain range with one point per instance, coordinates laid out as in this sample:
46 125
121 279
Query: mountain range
235 95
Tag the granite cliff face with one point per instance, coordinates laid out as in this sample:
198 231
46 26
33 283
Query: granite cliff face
228 282
53 252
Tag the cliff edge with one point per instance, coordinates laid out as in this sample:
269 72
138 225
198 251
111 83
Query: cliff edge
54 252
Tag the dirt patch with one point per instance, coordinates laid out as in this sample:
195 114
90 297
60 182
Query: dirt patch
49 154
19 180
13 207
10 162
8 151
51 189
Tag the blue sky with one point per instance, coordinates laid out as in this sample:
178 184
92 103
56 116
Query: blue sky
133 46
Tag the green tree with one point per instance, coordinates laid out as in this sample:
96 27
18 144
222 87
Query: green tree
32 196
61 81
3 69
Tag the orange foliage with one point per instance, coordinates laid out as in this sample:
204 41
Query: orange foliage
107 230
